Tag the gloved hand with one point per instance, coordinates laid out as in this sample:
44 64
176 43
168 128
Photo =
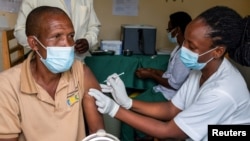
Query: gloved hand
116 87
105 104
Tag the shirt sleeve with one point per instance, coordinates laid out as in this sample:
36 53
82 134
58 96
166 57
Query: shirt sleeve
9 111
178 72
19 31
93 27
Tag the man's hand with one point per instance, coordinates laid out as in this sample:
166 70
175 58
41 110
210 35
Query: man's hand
117 88
105 104
81 46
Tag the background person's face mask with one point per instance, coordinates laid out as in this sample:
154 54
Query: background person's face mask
172 39
59 59
190 59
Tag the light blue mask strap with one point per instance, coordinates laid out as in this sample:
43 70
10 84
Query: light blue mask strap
208 51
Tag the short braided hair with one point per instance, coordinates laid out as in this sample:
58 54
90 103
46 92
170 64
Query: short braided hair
230 30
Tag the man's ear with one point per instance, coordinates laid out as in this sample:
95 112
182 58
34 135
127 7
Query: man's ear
219 52
32 43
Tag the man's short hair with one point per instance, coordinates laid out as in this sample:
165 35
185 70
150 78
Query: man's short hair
36 18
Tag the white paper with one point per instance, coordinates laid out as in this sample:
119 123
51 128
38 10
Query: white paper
125 7
12 6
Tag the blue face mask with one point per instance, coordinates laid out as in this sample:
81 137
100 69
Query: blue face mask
59 59
190 59
172 39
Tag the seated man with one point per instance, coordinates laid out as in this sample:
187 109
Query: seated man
45 98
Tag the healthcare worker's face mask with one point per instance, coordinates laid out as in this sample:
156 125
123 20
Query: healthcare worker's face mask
190 59
59 59
172 39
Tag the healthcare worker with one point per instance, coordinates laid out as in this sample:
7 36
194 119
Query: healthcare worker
169 81
214 93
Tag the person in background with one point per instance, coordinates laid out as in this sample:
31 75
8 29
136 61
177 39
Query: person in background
45 97
170 80
82 14
215 93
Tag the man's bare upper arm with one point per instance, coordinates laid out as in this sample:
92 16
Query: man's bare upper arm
90 78
93 117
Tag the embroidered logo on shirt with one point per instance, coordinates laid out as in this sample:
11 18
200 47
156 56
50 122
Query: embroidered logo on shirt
73 99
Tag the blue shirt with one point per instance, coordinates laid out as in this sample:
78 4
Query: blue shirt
176 74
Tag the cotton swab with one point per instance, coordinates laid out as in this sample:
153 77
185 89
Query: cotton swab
118 75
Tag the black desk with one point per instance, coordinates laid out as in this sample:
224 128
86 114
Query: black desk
103 66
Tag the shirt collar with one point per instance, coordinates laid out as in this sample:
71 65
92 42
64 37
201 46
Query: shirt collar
28 83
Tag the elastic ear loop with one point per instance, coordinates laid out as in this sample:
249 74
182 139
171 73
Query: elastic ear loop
173 31
208 51
39 42
209 60
41 45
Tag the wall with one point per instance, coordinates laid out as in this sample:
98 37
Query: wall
156 13
151 12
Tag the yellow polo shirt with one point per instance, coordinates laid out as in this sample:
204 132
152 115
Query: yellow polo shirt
28 111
